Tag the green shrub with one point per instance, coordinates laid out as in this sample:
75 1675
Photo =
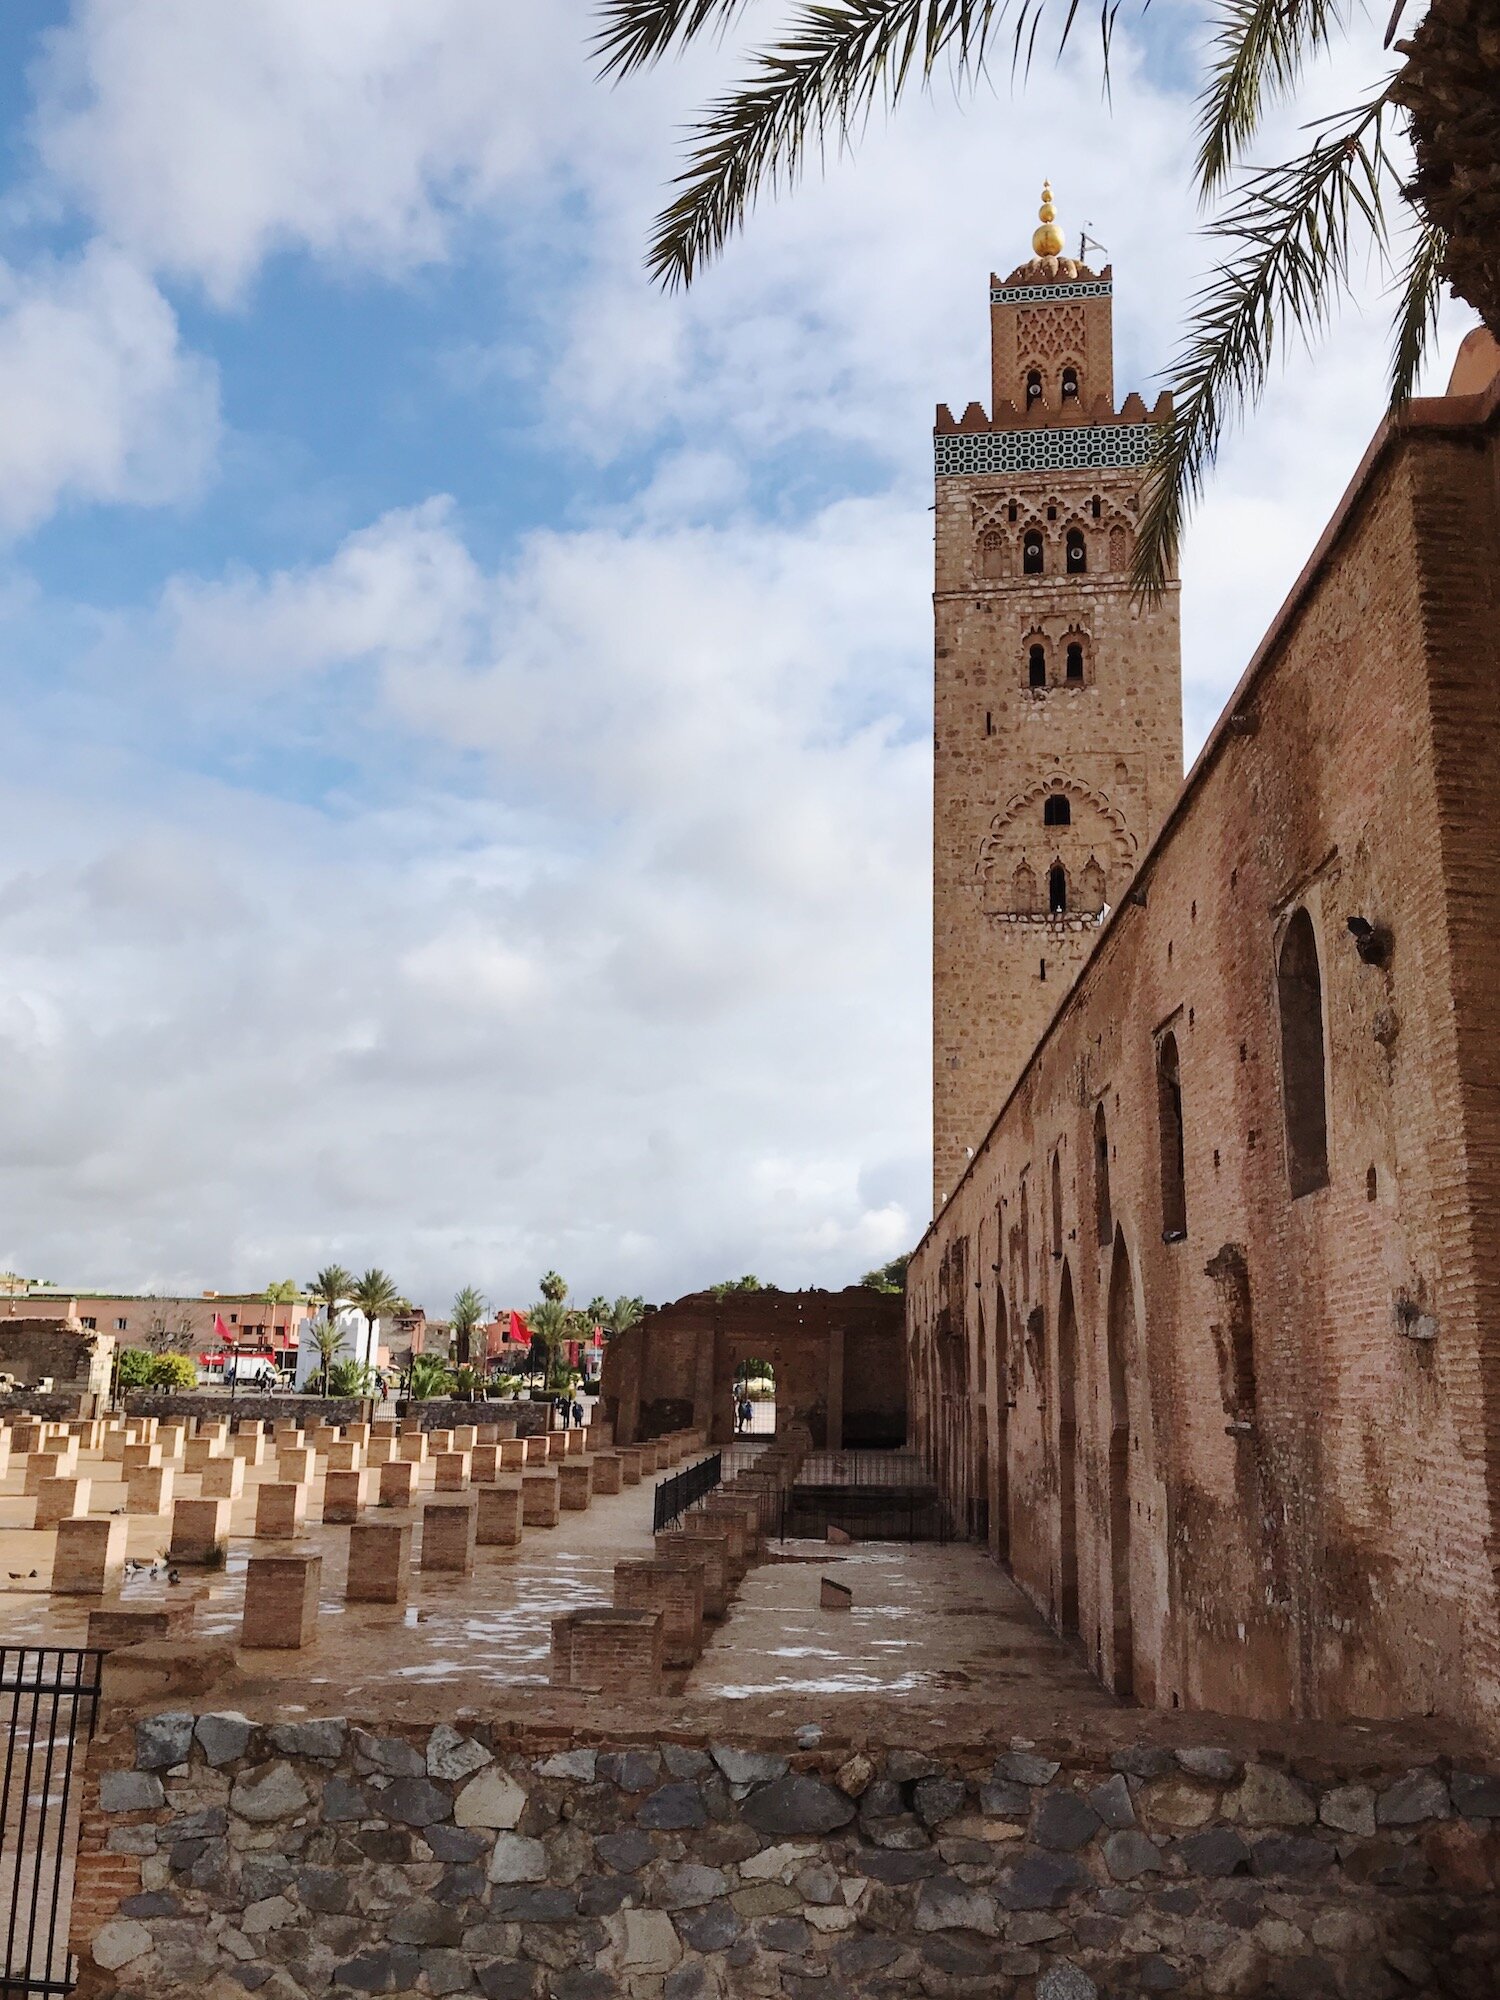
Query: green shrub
349 1378
171 1371
429 1377
133 1367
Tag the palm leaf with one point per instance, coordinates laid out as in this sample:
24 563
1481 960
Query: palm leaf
1291 232
1416 317
1258 52
635 33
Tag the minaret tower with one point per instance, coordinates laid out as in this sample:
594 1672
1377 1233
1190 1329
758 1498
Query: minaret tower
1058 719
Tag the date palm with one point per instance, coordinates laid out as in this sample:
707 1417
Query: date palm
467 1314
622 1315
332 1283
1286 240
549 1323
374 1294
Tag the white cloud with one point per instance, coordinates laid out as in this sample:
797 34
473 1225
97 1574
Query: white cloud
102 402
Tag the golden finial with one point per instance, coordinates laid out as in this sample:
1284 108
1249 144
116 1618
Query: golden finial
1048 240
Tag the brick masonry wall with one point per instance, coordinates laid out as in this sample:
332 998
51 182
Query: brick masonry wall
309 1855
1256 1468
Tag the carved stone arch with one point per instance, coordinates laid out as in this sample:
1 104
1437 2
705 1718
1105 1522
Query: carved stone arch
1058 781
1119 546
1092 886
1012 871
992 555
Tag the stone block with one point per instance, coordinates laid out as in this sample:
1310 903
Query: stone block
280 1509
379 1562
512 1454
486 1434
200 1530
325 1435
834 1596
61 1499
150 1490
214 1429
112 1449
343 1496
295 1463
140 1457
117 1623
199 1452
539 1498
50 1461
381 1450
484 1464
557 1446
449 1526
398 1482
674 1587
223 1479
90 1556
575 1442
650 1458
537 1449
465 1437
345 1456
608 1471
385 1427
249 1445
359 1434
630 1463
575 1483
450 1472
439 1441
499 1515
413 1447
505 1431
281 1599
606 1650
711 1552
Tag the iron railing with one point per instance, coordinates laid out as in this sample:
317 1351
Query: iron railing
675 1495
54 1704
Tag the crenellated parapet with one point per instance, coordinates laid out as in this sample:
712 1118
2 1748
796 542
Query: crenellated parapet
1050 435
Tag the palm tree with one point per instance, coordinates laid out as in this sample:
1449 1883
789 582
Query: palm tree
332 1283
1286 243
554 1289
374 1294
622 1315
549 1324
467 1314
327 1339
283 1294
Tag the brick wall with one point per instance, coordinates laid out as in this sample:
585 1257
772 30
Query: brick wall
1255 1468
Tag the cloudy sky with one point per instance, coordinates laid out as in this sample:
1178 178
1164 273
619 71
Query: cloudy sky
468 715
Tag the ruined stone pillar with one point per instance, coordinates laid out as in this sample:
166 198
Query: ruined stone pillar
575 1484
449 1527
451 1472
539 1507
608 1651
343 1496
280 1509
379 1562
609 1473
281 1600
200 1529
150 1490
223 1479
499 1516
398 1482
675 1589
61 1499
90 1556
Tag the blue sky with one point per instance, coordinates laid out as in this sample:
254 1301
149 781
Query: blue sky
468 713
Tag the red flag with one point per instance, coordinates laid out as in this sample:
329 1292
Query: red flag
221 1331
519 1330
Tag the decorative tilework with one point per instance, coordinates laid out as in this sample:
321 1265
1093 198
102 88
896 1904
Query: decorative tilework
1080 448
1031 295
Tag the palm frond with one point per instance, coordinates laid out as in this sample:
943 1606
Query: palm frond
1416 317
1292 230
635 33
1258 51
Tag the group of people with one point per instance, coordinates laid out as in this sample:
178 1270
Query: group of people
570 1411
744 1411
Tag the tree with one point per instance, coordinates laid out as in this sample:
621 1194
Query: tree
168 1332
326 1340
283 1294
749 1283
622 1315
549 1324
332 1283
554 1289
1287 239
430 1376
597 1308
889 1278
373 1295
467 1314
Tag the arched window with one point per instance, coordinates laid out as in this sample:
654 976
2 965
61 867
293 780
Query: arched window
1091 886
1078 554
1069 383
1031 552
1033 386
1056 810
1036 666
1075 660
1299 993
1095 506
1023 890
1011 511
1057 1219
1057 889
1170 1139
1104 1221
1119 548
992 553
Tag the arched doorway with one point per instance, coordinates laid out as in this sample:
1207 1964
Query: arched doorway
1000 1514
1067 1457
1122 1355
754 1398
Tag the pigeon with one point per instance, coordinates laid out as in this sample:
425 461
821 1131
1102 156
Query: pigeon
173 1576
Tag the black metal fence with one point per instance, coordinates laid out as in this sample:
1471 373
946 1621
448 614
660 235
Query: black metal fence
675 1495
53 1705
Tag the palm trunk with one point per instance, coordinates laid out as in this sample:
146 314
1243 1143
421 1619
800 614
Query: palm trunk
1450 86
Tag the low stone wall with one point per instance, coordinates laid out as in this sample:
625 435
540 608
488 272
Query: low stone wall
55 1406
221 1854
442 1413
246 1406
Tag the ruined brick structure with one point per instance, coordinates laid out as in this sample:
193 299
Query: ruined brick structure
1058 700
1210 1326
838 1357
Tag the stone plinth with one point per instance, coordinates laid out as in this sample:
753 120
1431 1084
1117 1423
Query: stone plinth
61 1499
117 1623
345 1456
699 1521
140 1457
539 1498
223 1479
213 1429
574 1442
295 1464
358 1434
26 1435
249 1445
90 1556
451 1472
379 1562
465 1437
200 1529
486 1434
413 1448
324 1436
711 1553
650 1458
607 1650
538 1451
674 1587
499 1516
398 1483
557 1445
608 1471
439 1441
150 1490
51 1461
449 1526
343 1496
381 1450
281 1600
198 1452
280 1509
575 1484
513 1453
113 1447
484 1463
630 1464
385 1427
505 1430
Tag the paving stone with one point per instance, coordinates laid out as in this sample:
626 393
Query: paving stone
1216 1852
747 1767
224 1735
1021 1767
946 1904
516 1858
625 1851
580 1764
631 1770
672 1808
937 1799
797 1804
685 1885
269 1792
712 1928
1475 1794
493 1799
416 1802
1065 1821
452 1755
130 1791
1128 1854
1222 1767
1040 1881
1112 1802
1420 1795
324 1738
1065 1982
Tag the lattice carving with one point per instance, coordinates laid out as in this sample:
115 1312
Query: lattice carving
1055 335
1019 849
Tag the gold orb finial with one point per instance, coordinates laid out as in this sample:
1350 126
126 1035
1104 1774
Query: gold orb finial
1048 240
